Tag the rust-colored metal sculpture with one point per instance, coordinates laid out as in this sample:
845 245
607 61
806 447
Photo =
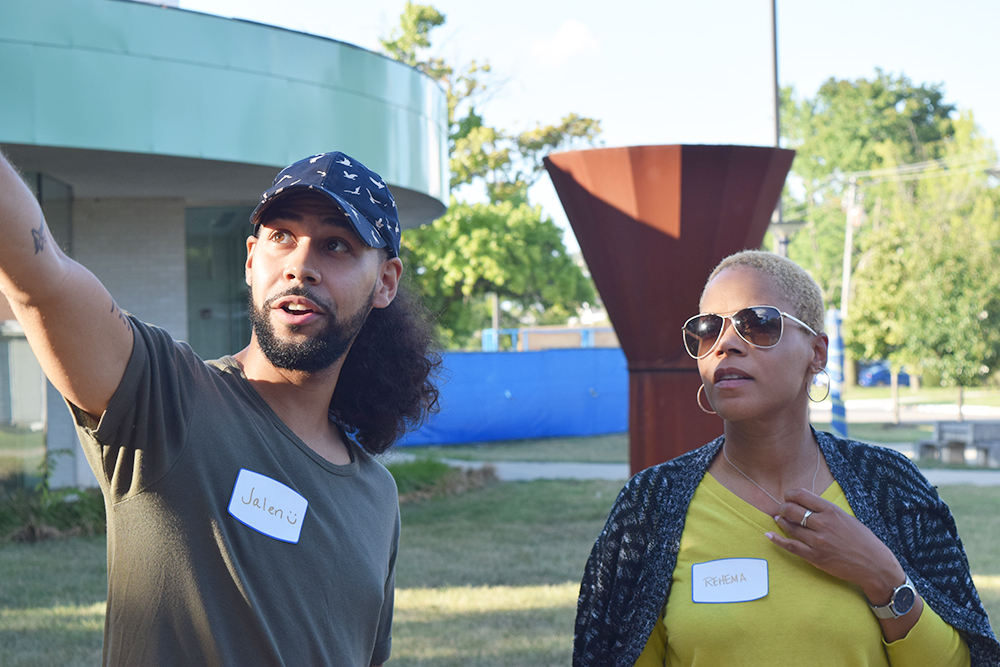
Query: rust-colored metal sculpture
652 222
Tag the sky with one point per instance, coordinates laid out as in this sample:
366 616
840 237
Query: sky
673 71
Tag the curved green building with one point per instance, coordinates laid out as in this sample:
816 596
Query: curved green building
149 132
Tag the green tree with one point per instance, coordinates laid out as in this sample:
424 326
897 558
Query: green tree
928 281
504 248
502 244
925 254
853 126
954 322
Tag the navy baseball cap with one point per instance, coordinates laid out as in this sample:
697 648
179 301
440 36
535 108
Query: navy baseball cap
359 191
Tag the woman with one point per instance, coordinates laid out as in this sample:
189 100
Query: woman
797 548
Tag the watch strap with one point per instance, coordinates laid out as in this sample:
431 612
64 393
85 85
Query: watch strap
890 610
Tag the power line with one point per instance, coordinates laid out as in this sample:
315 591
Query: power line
981 158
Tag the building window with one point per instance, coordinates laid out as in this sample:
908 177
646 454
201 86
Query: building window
216 284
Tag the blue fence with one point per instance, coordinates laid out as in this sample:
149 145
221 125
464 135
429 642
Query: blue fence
516 395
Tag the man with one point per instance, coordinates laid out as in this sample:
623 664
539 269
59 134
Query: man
247 522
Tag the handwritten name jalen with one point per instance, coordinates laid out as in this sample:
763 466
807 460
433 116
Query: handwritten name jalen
261 504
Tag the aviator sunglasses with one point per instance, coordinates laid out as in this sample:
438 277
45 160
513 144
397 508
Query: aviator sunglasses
760 326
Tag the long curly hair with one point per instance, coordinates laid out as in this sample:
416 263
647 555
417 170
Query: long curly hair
387 383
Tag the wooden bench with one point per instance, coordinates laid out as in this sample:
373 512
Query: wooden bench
952 439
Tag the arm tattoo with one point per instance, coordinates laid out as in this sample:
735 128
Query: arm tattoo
39 236
121 314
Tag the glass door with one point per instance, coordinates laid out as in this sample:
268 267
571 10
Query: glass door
216 288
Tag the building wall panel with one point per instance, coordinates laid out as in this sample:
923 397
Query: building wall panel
135 247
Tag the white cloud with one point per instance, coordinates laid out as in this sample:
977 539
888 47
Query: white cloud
571 39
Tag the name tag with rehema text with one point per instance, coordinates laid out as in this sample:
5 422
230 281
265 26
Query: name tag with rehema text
729 580
268 506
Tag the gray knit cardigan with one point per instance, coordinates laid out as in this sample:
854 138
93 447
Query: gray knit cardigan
628 575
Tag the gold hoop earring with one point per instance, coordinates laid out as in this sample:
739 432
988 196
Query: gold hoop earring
697 397
812 384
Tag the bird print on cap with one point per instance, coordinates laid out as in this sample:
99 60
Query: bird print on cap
373 213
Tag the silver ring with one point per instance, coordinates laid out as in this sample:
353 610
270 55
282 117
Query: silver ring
805 517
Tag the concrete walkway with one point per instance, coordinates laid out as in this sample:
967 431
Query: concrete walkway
959 477
520 471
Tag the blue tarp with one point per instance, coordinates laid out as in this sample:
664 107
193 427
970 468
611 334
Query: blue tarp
516 395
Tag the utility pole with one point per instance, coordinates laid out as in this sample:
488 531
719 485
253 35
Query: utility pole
849 373
845 285
778 227
777 89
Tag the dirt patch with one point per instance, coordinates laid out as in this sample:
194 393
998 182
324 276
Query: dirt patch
39 532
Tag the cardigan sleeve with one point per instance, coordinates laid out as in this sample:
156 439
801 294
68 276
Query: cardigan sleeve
890 495
597 630
932 549
628 575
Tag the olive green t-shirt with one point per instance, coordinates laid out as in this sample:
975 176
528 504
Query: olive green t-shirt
230 542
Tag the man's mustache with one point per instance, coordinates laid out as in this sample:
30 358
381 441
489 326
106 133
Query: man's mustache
302 291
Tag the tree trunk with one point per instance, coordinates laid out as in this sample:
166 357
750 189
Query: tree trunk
961 400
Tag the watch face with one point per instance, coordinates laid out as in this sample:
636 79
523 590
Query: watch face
903 600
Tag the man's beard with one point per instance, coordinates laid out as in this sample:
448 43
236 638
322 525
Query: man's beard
313 354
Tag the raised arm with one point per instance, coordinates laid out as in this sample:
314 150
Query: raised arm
79 335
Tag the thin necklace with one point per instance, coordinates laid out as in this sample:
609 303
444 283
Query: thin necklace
777 502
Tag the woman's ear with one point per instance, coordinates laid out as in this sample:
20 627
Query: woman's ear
821 349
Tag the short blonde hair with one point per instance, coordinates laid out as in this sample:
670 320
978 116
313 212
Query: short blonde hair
794 283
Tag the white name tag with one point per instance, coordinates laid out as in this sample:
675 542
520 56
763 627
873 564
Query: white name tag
729 580
268 506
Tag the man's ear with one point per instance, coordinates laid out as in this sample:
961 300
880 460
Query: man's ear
388 282
251 244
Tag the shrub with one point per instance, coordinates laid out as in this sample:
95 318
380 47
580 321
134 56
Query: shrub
426 478
418 475
29 516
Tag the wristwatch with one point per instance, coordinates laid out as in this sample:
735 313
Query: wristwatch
902 601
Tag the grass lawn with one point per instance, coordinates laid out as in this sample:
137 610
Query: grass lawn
21 452
973 396
591 449
513 533
52 599
487 578
20 438
484 626
975 510
491 577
